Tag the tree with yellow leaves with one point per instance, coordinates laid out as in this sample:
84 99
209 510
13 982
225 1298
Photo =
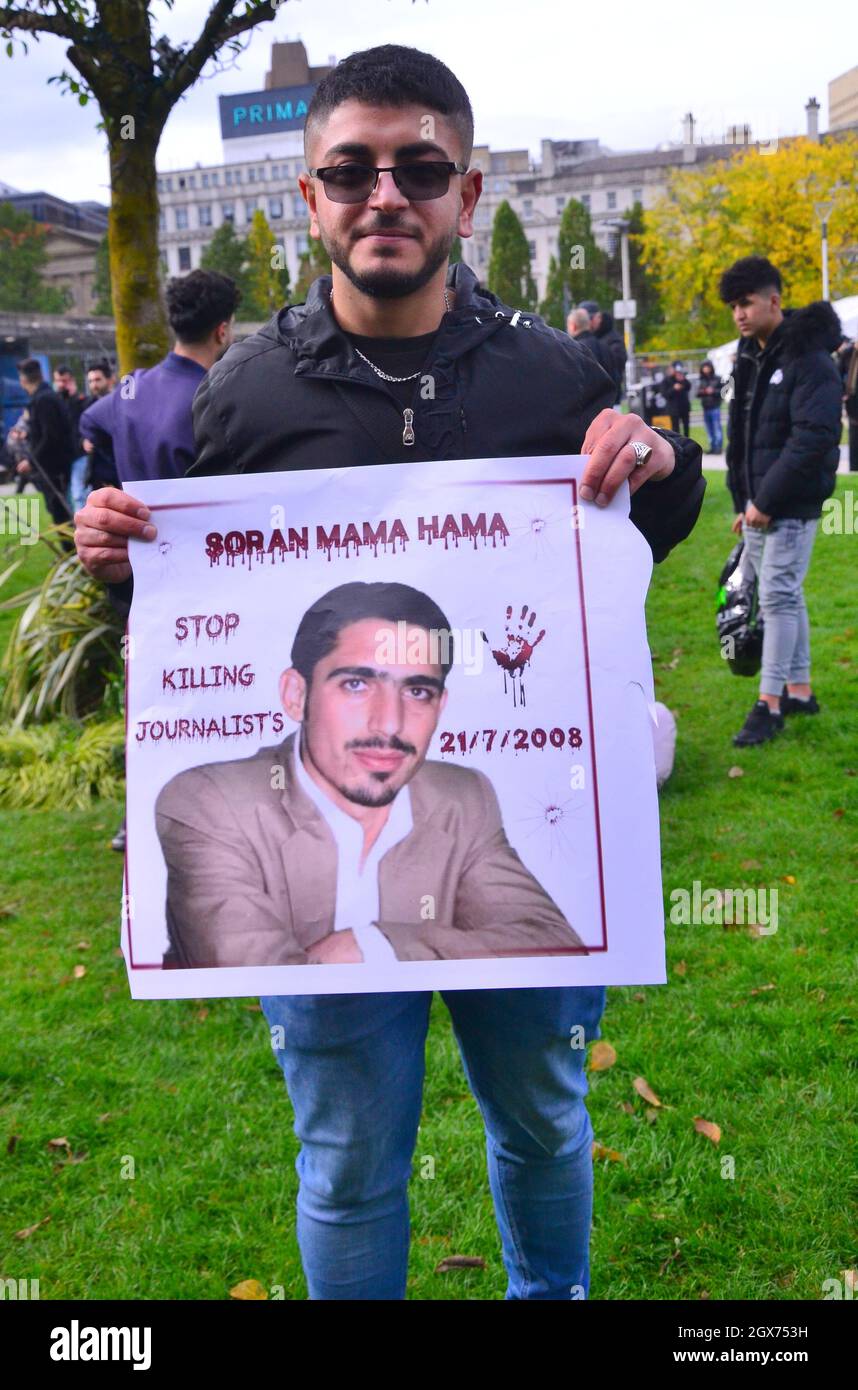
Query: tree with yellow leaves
758 203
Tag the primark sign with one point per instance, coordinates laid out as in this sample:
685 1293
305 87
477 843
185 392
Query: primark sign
265 113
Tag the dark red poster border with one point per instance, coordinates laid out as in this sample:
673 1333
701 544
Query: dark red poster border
500 482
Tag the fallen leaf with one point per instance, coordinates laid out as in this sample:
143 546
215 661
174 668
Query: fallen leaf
28 1230
639 997
704 1293
628 1107
434 1240
600 1151
709 1128
650 1115
82 946
799 950
602 1056
839 813
9 909
12 1143
249 1289
79 972
736 772
789 878
201 1015
819 995
60 1144
644 1089
761 989
680 968
750 864
253 1008
459 1262
105 1116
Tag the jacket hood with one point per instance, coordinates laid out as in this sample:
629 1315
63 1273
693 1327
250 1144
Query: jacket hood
806 330
607 324
710 365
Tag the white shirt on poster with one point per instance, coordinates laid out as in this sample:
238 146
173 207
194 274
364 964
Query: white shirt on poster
357 886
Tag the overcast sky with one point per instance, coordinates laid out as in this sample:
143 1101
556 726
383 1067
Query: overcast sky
621 72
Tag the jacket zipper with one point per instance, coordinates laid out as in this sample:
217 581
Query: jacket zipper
408 432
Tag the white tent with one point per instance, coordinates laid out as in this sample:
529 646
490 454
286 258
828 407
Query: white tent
846 310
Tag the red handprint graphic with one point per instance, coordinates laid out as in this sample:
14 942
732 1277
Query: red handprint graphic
517 649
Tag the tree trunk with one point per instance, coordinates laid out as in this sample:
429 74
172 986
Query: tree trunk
142 330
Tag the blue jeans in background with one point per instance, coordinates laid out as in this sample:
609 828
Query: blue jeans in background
354 1066
779 556
78 491
712 421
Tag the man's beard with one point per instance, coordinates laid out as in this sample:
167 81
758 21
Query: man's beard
389 283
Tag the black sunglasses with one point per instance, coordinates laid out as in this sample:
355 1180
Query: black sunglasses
354 183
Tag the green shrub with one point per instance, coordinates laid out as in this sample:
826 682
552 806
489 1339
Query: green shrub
64 655
61 766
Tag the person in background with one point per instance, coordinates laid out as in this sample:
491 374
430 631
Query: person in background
99 464
709 395
676 388
848 357
579 327
73 400
611 344
148 424
783 449
50 446
146 428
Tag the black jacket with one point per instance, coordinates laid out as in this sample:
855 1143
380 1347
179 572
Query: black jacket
678 402
593 345
709 389
793 429
49 439
504 384
614 353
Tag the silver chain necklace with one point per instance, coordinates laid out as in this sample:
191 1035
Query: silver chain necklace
385 376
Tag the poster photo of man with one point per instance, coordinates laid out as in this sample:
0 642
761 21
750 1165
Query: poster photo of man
345 842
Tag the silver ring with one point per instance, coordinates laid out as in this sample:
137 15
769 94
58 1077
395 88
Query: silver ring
643 453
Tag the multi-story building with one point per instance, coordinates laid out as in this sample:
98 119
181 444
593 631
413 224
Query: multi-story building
843 100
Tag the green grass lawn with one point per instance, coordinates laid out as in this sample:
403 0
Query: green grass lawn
756 1034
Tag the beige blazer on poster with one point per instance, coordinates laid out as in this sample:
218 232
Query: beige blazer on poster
252 871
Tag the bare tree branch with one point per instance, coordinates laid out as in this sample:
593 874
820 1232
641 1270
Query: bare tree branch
34 23
217 30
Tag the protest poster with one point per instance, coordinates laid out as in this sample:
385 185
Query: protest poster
389 728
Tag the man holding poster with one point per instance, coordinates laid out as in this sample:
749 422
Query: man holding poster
398 356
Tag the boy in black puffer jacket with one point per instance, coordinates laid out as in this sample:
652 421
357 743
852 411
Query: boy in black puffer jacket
782 457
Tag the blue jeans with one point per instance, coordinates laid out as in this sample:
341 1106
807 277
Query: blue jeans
712 421
354 1067
78 491
779 556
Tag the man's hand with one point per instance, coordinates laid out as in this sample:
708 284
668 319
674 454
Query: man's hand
102 528
23 467
340 948
608 442
736 528
757 520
